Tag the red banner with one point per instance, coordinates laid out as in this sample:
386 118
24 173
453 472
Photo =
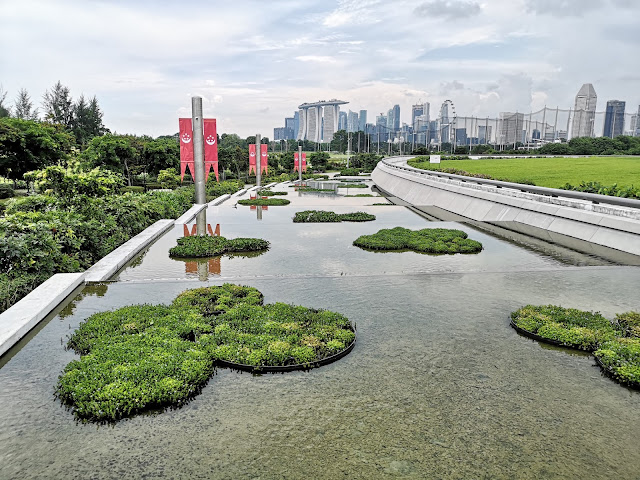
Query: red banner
296 163
186 147
252 157
264 158
210 148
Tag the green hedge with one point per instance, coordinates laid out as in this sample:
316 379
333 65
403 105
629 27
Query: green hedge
143 357
265 202
6 190
620 359
317 216
199 246
270 193
428 240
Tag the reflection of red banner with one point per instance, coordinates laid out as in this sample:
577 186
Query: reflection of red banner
304 162
213 266
252 157
193 232
210 147
264 158
186 147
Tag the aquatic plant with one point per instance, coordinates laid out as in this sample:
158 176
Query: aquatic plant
265 202
620 359
427 240
144 357
565 326
317 216
198 246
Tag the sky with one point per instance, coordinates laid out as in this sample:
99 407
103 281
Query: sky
254 61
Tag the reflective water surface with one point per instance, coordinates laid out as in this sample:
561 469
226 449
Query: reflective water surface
438 386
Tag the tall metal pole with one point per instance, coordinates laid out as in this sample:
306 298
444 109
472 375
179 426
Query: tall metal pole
300 164
198 149
258 166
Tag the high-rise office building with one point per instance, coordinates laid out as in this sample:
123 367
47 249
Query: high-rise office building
342 121
362 121
419 110
396 117
352 121
614 118
511 128
633 125
296 124
584 113
637 131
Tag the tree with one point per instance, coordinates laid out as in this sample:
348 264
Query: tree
27 145
58 105
340 141
80 122
162 154
5 111
319 160
23 106
114 152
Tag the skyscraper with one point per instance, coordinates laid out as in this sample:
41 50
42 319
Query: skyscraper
313 125
511 128
637 132
584 112
352 121
362 121
396 117
342 121
419 110
614 118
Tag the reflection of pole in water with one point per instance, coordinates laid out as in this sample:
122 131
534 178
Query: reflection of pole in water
259 212
201 222
203 271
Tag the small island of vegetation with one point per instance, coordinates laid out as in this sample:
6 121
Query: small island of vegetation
427 240
321 216
199 246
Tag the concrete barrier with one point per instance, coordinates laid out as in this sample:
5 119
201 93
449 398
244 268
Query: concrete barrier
18 320
612 226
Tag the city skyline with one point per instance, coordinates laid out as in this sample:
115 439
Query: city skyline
143 60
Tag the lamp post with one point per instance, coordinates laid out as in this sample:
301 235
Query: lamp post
258 154
300 164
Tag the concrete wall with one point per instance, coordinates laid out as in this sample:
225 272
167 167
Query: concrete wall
618 229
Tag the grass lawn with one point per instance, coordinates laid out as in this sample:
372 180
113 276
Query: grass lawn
553 172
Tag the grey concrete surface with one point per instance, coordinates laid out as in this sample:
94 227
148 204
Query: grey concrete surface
18 320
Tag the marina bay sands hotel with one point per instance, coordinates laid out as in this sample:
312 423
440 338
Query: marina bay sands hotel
314 125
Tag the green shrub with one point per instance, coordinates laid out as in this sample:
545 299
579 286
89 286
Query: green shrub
353 185
361 195
568 326
33 203
265 202
199 246
350 172
316 216
6 190
215 189
620 359
143 357
169 178
428 240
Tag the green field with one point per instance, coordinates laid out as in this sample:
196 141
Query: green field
552 172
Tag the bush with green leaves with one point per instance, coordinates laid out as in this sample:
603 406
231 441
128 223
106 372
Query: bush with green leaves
265 202
215 189
6 190
353 185
169 178
620 359
427 240
350 172
146 357
199 246
567 326
43 235
321 216
67 184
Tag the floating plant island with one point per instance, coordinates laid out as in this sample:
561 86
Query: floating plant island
322 216
200 246
145 357
615 344
427 240
265 202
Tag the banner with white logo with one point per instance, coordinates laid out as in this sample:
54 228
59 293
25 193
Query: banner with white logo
264 158
186 147
210 147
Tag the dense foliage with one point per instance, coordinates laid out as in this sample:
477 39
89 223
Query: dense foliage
215 189
600 189
427 240
42 235
317 216
265 202
199 246
353 185
144 357
567 326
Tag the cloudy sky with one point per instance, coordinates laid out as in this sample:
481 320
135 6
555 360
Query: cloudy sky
255 61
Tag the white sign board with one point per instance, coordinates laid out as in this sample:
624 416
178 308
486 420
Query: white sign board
434 158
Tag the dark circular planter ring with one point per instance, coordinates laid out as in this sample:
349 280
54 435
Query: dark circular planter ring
612 375
288 368
534 336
